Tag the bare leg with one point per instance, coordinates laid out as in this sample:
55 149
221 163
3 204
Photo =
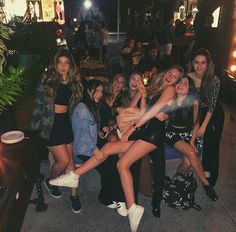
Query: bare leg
184 166
71 165
110 148
62 160
136 151
188 150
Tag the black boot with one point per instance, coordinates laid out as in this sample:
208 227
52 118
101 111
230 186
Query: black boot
156 211
210 192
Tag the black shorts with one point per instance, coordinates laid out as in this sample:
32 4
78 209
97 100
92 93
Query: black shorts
61 132
151 132
173 135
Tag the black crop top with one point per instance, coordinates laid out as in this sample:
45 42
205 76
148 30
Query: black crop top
181 117
63 95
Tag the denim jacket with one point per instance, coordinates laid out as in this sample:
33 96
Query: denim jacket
85 131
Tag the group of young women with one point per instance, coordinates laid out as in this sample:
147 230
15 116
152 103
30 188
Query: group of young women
188 102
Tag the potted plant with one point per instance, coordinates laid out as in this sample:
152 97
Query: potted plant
34 44
10 83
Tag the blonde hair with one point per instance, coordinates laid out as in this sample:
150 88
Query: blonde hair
156 83
122 98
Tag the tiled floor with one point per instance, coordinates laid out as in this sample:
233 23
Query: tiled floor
217 216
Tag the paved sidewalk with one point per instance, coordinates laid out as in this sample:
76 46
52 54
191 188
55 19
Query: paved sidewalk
217 216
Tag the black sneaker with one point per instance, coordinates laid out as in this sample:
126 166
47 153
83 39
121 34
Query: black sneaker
75 204
210 192
53 190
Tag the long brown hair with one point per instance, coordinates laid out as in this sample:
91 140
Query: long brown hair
51 78
122 99
209 74
155 83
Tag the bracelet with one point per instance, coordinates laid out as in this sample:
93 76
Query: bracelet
135 126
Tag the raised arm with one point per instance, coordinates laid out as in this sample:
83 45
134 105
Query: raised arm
140 95
165 97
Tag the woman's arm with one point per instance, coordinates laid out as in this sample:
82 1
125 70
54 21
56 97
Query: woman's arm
165 97
140 95
195 123
213 95
85 141
134 101
204 124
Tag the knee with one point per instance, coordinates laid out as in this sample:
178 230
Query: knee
64 162
192 154
121 166
105 148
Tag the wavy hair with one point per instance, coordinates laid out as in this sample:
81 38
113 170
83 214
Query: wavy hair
156 84
209 74
51 78
122 99
187 105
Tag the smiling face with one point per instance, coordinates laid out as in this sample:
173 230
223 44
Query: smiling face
133 82
200 64
63 66
182 87
118 84
171 77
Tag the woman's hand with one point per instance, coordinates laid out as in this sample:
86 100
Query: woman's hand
141 88
201 131
192 143
106 129
104 132
126 135
162 116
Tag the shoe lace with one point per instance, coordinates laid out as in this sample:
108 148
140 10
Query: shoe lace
119 204
66 174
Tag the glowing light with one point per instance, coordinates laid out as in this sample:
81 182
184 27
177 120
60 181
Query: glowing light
234 53
87 4
233 68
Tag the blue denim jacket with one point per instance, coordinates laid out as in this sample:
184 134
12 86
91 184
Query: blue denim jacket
85 132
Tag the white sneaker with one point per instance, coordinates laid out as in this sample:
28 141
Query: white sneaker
135 213
70 179
121 209
113 205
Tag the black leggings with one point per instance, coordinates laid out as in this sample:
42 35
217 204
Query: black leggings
157 165
211 144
